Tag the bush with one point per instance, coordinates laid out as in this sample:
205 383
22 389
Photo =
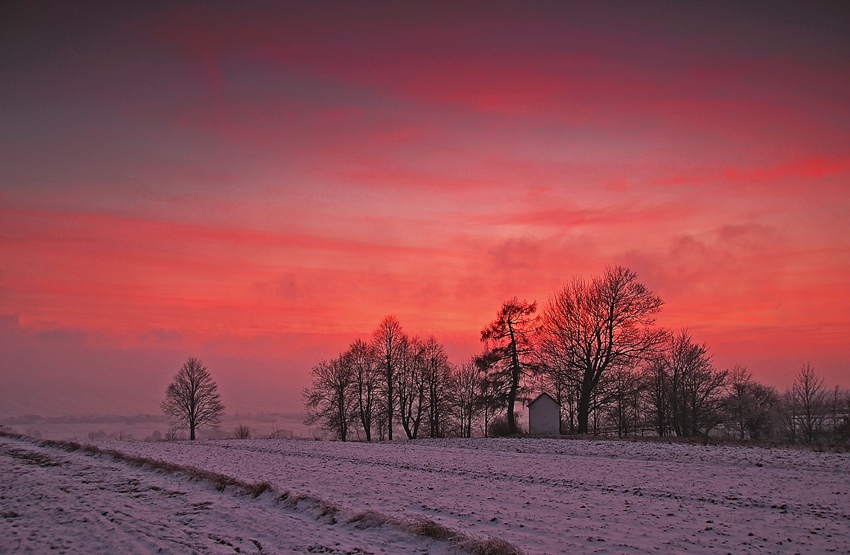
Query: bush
499 427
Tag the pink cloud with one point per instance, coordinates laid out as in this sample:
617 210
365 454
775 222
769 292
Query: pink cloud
187 178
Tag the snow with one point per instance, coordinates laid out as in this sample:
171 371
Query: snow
57 502
544 496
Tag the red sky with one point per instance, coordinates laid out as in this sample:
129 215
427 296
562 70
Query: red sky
258 185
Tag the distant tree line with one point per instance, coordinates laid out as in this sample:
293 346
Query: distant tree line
595 348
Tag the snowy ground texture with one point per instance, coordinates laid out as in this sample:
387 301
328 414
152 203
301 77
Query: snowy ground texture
543 496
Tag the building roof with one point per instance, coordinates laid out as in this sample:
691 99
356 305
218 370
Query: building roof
541 396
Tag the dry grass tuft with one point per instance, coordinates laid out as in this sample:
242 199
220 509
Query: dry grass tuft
256 490
34 458
426 528
429 529
220 481
490 546
69 446
6 432
369 519
321 508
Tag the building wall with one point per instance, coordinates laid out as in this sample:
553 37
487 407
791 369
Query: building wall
544 417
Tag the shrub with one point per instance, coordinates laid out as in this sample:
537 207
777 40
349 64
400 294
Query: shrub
499 427
430 529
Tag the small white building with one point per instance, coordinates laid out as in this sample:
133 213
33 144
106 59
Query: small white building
544 416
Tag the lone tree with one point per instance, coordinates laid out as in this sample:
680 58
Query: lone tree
596 326
192 398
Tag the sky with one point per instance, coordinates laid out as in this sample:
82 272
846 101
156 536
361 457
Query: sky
259 184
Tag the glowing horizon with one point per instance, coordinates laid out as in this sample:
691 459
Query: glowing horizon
259 185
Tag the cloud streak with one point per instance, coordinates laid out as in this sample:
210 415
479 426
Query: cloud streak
176 179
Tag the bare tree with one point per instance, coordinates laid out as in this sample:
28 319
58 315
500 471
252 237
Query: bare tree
466 384
380 418
810 399
597 325
410 385
657 394
192 398
386 340
694 386
491 399
842 426
438 382
621 392
367 378
749 404
838 404
330 400
242 432
788 415
509 355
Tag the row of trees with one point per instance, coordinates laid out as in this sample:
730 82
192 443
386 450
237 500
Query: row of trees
681 394
594 347
392 379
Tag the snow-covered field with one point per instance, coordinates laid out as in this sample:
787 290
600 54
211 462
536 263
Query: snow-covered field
544 496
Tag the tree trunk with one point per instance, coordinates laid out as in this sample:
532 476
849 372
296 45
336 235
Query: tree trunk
515 372
389 399
583 410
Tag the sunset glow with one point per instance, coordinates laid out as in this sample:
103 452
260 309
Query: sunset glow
258 185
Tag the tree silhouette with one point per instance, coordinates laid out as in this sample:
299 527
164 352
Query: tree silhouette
331 399
410 385
386 340
509 340
749 403
694 386
438 376
367 377
810 398
466 388
593 326
192 398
